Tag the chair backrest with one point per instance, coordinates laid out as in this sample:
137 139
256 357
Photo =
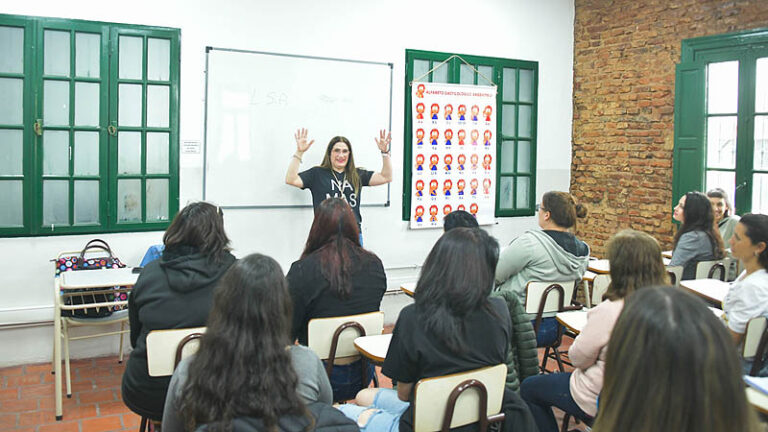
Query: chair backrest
599 287
755 329
321 331
707 269
534 291
675 274
432 398
162 349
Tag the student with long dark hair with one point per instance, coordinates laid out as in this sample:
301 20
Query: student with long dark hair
671 366
335 276
697 239
748 296
246 374
453 326
174 291
725 216
636 263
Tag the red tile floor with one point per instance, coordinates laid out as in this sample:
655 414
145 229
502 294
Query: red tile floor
27 404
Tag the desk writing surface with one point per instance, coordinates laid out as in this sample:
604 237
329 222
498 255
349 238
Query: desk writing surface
98 278
667 254
408 288
758 399
601 266
374 347
573 320
710 289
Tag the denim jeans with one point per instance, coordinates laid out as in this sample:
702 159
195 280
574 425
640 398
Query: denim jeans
389 408
542 392
345 380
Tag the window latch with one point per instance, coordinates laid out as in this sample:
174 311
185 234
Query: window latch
38 127
112 130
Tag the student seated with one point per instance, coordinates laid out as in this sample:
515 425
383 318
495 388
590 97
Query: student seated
671 366
458 219
549 254
696 240
725 216
246 374
172 292
635 263
453 326
748 296
335 276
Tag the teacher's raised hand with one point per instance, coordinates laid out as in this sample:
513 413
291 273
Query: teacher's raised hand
301 141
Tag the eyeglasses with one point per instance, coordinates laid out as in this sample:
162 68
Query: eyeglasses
540 207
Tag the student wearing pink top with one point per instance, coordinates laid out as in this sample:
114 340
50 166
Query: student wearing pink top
635 263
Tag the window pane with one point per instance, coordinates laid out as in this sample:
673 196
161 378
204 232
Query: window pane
56 53
725 180
11 109
761 143
131 60
507 157
55 202
721 142
440 75
11 213
526 85
87 54
157 106
506 187
86 153
55 153
486 75
158 59
509 93
524 156
129 152
466 74
157 199
11 50
12 151
86 201
56 103
129 105
761 85
86 104
129 200
523 183
760 194
508 120
524 121
722 87
420 68
157 153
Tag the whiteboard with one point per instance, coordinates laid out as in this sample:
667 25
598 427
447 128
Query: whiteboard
255 102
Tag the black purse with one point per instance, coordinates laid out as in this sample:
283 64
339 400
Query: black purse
91 295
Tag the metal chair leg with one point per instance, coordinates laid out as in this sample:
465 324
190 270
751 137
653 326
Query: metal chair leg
122 329
143 425
67 370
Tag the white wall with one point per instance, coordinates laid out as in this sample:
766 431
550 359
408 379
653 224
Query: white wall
538 30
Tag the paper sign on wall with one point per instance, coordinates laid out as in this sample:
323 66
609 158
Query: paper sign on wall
453 152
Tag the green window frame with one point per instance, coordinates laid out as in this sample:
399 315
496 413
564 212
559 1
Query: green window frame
516 122
706 155
67 173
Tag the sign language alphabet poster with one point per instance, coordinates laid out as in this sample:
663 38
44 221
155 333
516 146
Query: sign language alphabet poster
453 152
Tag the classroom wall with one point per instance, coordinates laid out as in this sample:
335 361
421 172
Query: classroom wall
625 53
363 30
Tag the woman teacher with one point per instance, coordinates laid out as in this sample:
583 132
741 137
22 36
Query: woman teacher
337 176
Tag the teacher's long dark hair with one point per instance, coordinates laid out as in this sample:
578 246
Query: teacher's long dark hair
336 238
243 367
456 279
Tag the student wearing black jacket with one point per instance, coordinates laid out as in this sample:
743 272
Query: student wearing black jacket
174 291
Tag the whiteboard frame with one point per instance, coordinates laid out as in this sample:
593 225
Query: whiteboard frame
208 50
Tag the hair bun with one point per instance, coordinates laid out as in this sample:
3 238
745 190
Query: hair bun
581 211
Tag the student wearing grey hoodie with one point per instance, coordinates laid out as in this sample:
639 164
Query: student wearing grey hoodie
549 254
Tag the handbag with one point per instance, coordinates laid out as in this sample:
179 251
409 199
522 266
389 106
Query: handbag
81 263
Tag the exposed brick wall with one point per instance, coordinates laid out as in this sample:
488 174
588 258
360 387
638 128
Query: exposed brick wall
623 98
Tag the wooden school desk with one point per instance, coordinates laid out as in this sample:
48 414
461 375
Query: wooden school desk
374 347
603 266
573 320
712 290
408 288
72 283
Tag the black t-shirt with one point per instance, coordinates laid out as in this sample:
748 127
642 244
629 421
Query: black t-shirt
569 242
414 353
323 183
312 297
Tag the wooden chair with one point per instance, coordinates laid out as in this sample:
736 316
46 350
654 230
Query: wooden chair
165 349
707 269
333 338
599 288
455 400
755 341
549 298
